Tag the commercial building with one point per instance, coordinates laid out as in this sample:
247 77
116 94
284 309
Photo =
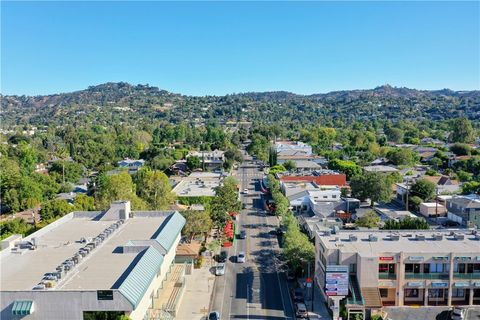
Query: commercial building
198 184
112 261
383 268
210 159
432 209
293 147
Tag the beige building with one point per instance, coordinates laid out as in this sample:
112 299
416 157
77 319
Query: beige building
402 268
432 209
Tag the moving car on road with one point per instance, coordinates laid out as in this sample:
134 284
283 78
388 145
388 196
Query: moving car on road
241 257
222 257
220 269
301 310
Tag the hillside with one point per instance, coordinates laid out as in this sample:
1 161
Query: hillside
124 102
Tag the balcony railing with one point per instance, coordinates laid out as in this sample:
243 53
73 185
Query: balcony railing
391 276
474 275
436 276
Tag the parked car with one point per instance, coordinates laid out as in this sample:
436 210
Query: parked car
450 223
242 235
297 295
244 205
459 313
241 257
245 191
220 269
301 310
222 257
214 315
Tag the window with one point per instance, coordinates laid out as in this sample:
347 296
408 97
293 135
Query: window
470 268
459 267
412 267
384 293
334 196
476 267
105 295
411 293
436 293
436 267
426 268
386 268
353 268
458 293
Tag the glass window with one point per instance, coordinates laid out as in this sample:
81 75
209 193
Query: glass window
391 268
411 293
384 293
470 268
105 295
383 268
476 267
458 293
461 268
416 268
353 267
409 267
436 267
435 293
426 268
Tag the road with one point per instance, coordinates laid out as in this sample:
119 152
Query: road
254 289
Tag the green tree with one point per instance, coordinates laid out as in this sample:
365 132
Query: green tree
117 187
424 189
414 203
154 188
54 209
407 223
83 202
461 149
350 168
277 168
68 170
371 185
289 165
15 226
394 134
471 187
297 248
462 131
197 222
224 202
401 156
368 220
194 162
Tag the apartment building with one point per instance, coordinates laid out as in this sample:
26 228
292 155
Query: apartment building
401 268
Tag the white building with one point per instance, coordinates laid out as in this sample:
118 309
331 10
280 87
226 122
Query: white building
211 159
90 261
198 184
292 147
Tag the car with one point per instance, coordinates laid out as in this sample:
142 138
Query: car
242 235
301 310
214 315
450 223
220 269
244 205
459 313
297 295
241 257
245 191
222 257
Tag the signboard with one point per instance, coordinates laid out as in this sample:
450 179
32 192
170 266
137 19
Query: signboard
462 284
415 284
439 284
336 280
385 258
415 258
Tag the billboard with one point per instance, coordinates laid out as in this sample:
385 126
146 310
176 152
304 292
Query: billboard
336 280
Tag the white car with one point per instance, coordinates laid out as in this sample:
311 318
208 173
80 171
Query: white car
220 269
459 313
241 257
245 190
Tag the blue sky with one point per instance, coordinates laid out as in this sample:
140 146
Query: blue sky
201 48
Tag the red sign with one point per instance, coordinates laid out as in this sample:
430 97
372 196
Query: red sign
386 258
309 280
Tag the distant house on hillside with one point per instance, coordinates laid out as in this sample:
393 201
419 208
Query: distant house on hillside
132 165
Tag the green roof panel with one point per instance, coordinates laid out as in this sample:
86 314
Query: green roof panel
22 307
170 230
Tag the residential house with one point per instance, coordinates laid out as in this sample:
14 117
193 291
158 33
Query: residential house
131 165
380 169
211 159
432 209
464 210
444 184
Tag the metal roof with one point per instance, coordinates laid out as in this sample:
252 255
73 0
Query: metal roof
139 279
22 307
170 230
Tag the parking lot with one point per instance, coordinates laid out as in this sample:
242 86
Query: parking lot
430 313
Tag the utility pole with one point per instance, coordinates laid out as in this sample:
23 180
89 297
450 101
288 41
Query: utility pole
408 191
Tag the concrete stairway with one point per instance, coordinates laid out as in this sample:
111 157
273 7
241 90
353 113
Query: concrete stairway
371 296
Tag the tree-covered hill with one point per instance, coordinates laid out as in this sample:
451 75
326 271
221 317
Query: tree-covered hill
109 102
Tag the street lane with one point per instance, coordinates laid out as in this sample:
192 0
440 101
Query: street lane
254 289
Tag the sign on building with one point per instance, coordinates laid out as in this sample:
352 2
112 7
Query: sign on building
336 280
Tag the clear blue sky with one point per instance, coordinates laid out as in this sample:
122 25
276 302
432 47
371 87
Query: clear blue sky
201 48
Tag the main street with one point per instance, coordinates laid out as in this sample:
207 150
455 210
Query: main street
254 289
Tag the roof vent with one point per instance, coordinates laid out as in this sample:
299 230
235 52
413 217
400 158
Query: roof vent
420 237
372 238
459 237
438 237
394 237
352 238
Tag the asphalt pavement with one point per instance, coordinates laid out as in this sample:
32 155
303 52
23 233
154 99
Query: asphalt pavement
254 289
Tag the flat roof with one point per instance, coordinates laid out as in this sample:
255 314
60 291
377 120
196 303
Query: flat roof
193 188
380 168
100 269
405 244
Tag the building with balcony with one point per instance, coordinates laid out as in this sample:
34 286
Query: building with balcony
117 262
401 268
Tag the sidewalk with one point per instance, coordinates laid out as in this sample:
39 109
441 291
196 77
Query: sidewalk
320 310
196 298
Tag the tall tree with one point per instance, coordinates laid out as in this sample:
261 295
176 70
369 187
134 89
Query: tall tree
462 131
154 188
372 185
